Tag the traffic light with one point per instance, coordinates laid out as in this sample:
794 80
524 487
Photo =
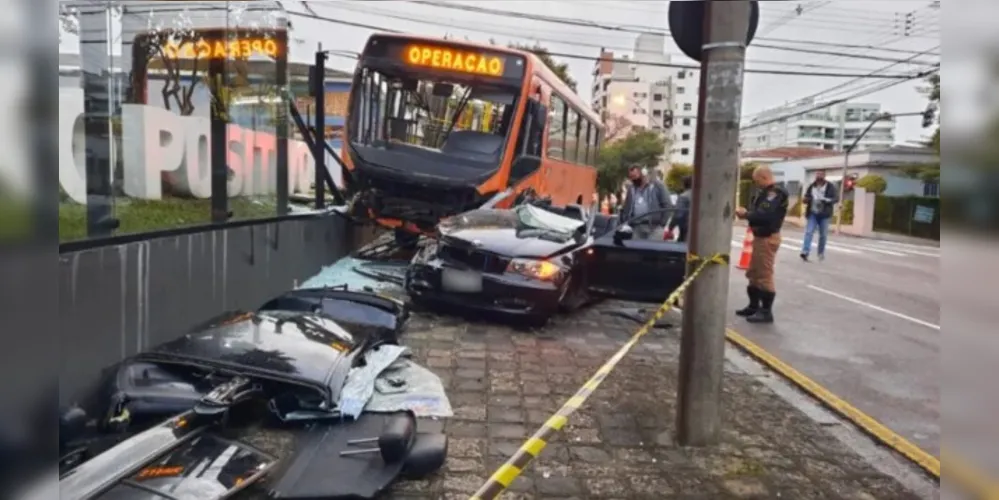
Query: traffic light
929 115
668 119
849 182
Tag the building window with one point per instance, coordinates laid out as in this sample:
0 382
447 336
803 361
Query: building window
684 151
687 106
657 112
681 75
685 137
686 121
680 90
657 97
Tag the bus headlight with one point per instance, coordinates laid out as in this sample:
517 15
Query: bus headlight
538 269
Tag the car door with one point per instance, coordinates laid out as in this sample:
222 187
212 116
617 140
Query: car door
631 268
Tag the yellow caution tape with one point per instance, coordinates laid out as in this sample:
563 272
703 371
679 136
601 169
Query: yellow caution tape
509 471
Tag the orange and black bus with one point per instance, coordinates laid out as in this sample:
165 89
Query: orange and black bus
437 127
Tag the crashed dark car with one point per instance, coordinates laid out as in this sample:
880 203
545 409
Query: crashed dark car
536 259
248 402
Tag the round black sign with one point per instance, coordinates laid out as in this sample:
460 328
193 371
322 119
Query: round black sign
686 24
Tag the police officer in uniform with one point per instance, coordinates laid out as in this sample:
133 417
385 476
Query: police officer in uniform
765 217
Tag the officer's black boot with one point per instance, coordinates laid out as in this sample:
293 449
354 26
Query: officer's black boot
765 313
754 302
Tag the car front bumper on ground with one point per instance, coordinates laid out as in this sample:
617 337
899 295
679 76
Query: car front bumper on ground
504 293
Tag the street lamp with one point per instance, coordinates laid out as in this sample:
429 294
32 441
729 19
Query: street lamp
846 166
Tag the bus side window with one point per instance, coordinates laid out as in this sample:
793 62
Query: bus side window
532 129
594 147
571 135
528 156
584 134
556 133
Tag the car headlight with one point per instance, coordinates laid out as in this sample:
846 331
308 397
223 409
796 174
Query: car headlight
537 269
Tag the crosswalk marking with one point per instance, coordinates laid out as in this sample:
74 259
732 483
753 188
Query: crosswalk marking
874 247
839 247
829 246
908 250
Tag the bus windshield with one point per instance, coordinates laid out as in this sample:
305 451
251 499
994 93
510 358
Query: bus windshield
461 126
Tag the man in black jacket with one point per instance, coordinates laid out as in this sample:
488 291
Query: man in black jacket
820 199
765 217
681 215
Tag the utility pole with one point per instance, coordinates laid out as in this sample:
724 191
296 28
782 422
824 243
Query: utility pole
702 344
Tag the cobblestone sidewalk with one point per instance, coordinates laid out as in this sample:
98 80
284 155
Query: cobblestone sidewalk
504 382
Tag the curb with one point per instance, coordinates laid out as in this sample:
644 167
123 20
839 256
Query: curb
963 474
875 429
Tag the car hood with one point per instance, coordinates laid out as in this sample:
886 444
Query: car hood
508 242
259 344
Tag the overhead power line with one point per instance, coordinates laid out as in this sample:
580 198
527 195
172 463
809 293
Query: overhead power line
493 31
595 58
595 25
883 86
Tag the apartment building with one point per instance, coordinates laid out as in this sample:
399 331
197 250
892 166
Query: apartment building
832 129
652 95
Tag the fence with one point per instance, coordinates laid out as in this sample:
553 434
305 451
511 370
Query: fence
917 216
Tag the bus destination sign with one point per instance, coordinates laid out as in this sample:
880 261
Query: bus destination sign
242 48
453 59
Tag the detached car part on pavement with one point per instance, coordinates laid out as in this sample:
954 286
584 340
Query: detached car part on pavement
215 412
535 259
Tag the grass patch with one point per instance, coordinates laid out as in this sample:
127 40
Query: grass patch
138 216
16 220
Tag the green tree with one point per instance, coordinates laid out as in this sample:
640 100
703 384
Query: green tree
933 92
640 147
675 175
873 183
746 171
561 69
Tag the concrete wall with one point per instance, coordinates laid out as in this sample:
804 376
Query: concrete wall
118 300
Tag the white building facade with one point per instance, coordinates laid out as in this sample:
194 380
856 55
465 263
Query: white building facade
833 128
652 96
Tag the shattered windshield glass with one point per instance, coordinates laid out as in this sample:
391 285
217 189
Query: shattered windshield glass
543 221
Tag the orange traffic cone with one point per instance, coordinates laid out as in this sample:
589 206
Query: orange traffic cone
747 250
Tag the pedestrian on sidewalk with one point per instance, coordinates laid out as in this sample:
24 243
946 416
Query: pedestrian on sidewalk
820 198
681 215
646 195
765 217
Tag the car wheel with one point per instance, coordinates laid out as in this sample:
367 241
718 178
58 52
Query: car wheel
572 297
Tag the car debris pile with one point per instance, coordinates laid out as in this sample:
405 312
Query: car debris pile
310 396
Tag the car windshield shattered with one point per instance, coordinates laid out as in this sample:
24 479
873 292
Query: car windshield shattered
539 222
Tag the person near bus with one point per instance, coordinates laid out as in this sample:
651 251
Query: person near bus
820 198
681 216
646 195
765 217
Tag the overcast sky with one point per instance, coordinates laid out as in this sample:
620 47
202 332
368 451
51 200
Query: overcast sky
857 22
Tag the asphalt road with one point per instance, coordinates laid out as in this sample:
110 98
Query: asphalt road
864 323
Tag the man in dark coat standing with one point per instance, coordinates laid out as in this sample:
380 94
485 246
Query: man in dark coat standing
820 199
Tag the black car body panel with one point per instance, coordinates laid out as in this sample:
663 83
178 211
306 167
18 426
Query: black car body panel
621 267
168 461
275 345
161 426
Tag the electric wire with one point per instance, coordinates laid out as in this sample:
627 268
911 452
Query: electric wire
521 34
582 22
878 88
590 58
